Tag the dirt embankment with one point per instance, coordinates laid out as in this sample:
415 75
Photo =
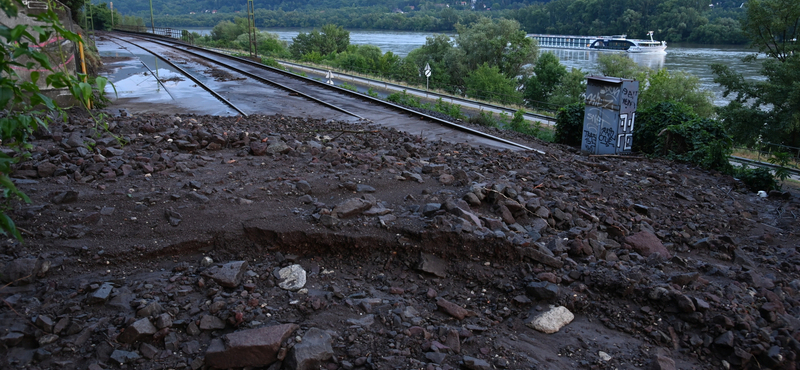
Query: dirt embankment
276 241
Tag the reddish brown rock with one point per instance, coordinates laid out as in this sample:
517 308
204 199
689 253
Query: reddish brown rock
646 243
452 309
254 347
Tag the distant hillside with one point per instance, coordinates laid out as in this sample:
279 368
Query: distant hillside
672 20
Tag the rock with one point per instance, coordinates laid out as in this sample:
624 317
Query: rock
552 320
646 243
174 218
309 354
45 323
163 321
303 187
446 179
75 140
292 278
149 351
432 265
208 322
206 261
544 291
46 169
435 357
541 254
725 340
101 294
452 309
365 321
685 303
197 197
473 363
661 361
253 347
152 308
64 197
229 275
23 270
351 207
363 188
453 341
258 148
124 357
12 339
137 331
277 146
430 208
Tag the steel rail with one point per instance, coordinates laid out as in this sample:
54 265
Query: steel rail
155 76
420 92
191 77
256 77
170 43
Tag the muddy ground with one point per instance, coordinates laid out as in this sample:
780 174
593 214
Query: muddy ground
168 252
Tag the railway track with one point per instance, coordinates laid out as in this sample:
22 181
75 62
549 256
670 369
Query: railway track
352 103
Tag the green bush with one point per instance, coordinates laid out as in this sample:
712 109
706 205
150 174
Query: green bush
348 86
650 122
271 62
371 92
756 179
452 110
404 98
702 141
484 119
569 125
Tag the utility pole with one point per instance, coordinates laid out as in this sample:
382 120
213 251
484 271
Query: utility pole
111 4
152 25
252 32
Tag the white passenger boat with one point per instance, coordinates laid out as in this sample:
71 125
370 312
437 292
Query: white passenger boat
612 43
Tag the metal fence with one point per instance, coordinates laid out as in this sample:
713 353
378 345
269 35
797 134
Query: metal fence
178 34
763 151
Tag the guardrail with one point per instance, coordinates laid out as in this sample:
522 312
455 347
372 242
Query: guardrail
426 94
178 34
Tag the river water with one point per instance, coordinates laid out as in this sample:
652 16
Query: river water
693 59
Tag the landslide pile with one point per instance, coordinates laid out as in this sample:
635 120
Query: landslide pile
282 242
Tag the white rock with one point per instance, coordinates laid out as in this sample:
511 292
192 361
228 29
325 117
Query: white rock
206 261
762 194
604 356
292 278
553 320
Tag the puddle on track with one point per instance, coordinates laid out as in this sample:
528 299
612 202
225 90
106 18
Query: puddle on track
138 91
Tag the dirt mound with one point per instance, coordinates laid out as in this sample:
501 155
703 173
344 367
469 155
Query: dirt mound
298 243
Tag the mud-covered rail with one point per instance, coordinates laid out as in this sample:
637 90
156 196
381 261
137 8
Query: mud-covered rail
328 95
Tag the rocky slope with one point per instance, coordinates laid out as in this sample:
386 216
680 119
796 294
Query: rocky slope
278 242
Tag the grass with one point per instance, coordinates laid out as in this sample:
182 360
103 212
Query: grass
760 156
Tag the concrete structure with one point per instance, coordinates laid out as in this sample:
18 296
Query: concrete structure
63 54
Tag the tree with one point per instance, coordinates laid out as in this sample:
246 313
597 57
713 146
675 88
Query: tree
488 83
332 39
656 86
773 26
680 87
618 65
498 43
547 73
766 109
570 89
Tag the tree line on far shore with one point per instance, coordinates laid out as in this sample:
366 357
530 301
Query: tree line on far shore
672 20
